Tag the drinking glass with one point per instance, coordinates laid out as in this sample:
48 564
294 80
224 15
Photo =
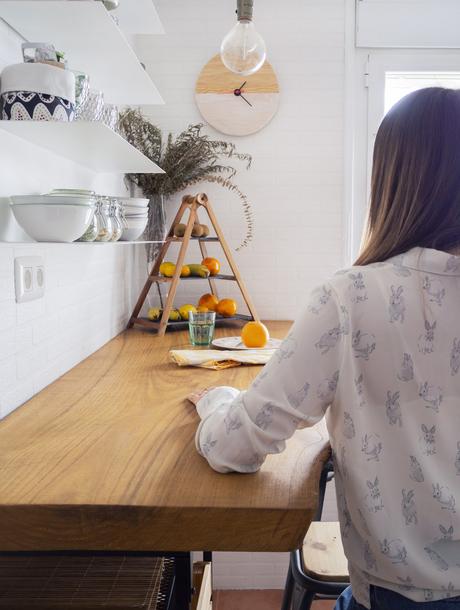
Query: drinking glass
201 327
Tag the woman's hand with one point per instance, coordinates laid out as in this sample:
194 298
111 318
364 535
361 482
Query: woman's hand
198 395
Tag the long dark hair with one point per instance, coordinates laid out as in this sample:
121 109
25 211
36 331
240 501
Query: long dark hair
415 193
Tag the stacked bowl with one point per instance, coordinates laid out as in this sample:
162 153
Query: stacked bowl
136 212
59 216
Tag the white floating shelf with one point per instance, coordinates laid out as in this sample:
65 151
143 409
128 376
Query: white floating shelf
92 42
138 17
90 144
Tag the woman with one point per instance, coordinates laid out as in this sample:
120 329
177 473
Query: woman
377 351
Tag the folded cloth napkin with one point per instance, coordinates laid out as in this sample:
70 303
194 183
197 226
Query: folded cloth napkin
218 359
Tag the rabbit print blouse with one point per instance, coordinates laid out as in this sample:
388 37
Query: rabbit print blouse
377 351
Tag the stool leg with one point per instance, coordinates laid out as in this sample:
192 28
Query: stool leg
288 590
306 600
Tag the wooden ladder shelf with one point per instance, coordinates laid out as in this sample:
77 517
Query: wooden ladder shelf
192 204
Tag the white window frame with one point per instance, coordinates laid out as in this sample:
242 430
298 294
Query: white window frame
370 68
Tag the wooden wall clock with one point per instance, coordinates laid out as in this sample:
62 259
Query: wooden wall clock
236 105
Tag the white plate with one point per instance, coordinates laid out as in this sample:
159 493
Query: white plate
236 343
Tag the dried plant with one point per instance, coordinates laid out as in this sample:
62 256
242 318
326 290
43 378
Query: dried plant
190 158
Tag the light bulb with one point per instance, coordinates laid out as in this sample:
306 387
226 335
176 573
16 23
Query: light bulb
243 50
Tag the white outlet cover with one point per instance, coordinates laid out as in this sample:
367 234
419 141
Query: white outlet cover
29 278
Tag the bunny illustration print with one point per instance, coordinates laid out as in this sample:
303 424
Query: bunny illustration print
371 447
359 385
457 459
455 357
453 264
399 268
434 290
208 445
426 340
329 339
428 440
348 426
357 288
344 320
265 416
443 495
397 306
297 398
393 409
447 533
326 389
287 349
394 550
369 558
431 395
320 298
408 507
407 368
406 583
232 420
373 499
415 470
363 344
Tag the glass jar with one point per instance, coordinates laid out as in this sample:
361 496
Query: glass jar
117 222
105 221
92 231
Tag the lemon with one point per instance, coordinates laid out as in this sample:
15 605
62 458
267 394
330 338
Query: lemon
185 272
174 315
185 310
154 313
167 269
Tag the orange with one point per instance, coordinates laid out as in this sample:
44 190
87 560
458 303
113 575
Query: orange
226 308
202 309
212 264
208 300
185 271
255 334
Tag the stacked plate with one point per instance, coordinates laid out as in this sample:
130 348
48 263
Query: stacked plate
60 216
136 212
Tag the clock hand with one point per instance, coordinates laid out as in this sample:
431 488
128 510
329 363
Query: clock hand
247 101
241 86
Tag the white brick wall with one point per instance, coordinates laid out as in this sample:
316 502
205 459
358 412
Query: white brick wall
88 287
295 184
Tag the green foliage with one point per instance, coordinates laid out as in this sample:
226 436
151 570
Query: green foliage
190 158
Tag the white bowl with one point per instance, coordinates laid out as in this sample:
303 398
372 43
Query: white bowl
135 228
55 223
52 200
133 202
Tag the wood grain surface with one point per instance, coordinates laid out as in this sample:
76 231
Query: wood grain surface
216 78
104 459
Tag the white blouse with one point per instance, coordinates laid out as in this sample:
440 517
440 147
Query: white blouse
377 351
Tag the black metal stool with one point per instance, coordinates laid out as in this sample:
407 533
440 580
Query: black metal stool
319 568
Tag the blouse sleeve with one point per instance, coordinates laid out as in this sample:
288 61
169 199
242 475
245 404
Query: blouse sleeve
238 429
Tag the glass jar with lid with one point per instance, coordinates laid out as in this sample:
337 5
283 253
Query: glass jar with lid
116 219
105 220
92 231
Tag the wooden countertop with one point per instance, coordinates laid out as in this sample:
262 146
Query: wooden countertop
104 459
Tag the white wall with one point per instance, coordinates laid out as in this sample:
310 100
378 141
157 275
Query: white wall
296 183
89 287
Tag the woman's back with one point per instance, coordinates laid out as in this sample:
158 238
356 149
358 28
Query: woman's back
395 423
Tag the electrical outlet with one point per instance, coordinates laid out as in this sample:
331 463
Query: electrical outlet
29 278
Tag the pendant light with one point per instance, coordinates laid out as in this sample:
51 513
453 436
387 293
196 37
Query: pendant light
243 50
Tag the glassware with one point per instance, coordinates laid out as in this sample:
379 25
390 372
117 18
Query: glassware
105 221
116 219
201 327
92 109
92 231
110 115
81 91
